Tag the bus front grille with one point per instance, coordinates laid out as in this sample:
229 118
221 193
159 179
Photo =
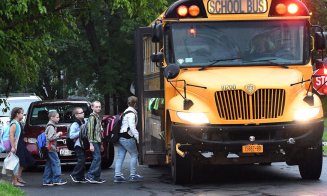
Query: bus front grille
262 104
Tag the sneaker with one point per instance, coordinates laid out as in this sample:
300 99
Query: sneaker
73 178
135 178
60 182
90 180
119 179
48 184
100 181
83 181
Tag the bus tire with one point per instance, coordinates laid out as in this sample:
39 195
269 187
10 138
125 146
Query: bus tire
310 165
181 168
108 158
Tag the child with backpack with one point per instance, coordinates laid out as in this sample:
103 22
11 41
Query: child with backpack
95 129
78 173
52 168
17 145
128 138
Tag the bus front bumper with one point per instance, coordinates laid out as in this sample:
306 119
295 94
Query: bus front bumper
280 142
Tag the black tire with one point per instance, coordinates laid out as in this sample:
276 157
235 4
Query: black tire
181 168
310 165
109 157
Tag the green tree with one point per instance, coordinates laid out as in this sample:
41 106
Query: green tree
106 64
28 33
319 11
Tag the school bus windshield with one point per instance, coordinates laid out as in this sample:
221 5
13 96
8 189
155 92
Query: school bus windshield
238 43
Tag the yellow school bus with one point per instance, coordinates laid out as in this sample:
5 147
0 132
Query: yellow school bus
229 82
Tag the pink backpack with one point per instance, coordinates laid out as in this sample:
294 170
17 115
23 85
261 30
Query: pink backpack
111 126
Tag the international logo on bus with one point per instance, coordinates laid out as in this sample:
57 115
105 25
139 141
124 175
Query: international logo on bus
249 89
237 6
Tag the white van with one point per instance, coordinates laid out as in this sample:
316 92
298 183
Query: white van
16 100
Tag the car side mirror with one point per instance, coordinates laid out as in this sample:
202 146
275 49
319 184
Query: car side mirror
157 32
157 57
320 42
171 71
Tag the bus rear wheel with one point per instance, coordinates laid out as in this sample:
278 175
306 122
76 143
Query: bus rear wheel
310 165
181 168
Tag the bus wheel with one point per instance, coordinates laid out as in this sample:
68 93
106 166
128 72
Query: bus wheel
310 165
109 156
181 168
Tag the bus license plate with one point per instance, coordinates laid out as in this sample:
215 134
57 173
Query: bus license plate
65 152
252 148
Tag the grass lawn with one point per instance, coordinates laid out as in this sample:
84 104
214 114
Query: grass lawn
9 190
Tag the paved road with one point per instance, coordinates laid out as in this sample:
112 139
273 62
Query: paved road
277 179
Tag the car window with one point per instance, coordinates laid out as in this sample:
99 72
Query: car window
39 114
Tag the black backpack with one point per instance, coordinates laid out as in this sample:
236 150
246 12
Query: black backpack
70 142
83 135
115 130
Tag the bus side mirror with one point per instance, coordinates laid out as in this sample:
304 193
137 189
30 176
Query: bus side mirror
157 32
171 71
320 42
157 57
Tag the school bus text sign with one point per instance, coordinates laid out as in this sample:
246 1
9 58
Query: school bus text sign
237 6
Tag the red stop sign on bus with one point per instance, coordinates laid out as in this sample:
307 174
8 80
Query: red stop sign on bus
319 79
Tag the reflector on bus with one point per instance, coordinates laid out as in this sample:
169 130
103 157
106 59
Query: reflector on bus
288 8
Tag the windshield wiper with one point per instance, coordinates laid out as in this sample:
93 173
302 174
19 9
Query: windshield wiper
270 61
212 62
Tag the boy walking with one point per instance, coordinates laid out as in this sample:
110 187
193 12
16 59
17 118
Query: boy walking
52 169
78 173
96 147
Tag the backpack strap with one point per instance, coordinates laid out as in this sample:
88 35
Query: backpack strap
95 123
127 112
46 127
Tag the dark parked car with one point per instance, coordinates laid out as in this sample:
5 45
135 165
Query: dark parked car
37 118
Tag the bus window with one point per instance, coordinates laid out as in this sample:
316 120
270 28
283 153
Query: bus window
238 43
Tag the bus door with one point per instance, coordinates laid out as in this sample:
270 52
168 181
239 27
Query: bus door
150 93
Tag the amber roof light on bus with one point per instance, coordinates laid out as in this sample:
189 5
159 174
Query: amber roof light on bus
194 10
182 10
292 8
281 8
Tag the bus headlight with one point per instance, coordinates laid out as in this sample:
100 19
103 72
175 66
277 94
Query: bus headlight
195 118
306 114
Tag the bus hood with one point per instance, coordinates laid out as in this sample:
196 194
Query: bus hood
237 78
